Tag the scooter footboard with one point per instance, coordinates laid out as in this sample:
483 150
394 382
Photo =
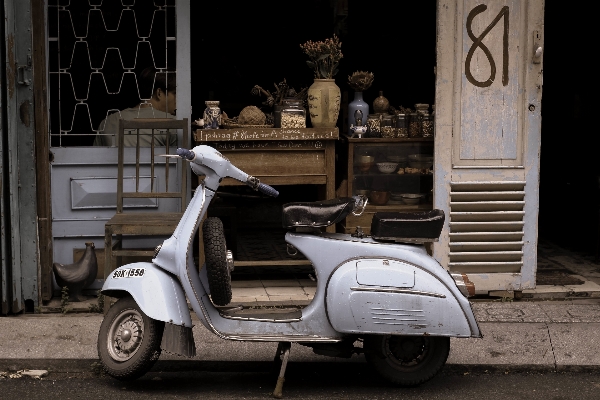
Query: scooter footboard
157 293
385 296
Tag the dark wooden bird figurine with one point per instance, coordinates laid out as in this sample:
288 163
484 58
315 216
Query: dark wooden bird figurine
78 275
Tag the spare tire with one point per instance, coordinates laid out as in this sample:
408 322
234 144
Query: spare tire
215 254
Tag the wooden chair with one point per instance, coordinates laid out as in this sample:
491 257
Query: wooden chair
151 223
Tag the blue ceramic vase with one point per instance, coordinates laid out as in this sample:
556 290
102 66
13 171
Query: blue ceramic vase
357 104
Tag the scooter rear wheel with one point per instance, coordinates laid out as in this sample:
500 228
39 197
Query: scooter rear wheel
129 340
406 360
215 254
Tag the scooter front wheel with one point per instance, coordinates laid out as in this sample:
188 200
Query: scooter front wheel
406 360
129 340
217 269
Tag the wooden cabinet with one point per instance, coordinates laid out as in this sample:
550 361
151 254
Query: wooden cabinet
408 177
278 156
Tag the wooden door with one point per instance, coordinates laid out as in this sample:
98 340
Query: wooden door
487 144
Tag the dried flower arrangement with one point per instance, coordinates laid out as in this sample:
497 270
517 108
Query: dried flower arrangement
324 56
282 91
361 80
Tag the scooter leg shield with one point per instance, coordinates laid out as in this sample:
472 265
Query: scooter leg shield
158 293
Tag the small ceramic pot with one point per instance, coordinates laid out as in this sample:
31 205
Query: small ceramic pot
379 198
365 163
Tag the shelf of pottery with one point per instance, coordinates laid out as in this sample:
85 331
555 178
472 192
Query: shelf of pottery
395 174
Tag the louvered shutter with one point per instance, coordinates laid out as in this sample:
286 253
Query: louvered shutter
487 127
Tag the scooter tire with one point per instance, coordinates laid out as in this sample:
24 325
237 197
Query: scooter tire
215 255
124 315
406 360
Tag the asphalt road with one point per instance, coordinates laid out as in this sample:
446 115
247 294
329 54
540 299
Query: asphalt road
305 381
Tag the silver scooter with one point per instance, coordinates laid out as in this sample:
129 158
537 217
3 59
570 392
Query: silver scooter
381 295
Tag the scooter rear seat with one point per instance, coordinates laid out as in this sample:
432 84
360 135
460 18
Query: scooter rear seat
316 214
418 227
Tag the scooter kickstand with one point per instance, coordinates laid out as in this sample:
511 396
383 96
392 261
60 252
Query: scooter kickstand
285 348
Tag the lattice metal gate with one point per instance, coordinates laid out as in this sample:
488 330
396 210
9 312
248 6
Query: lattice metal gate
96 52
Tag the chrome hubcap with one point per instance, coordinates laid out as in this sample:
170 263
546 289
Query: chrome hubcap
407 350
125 335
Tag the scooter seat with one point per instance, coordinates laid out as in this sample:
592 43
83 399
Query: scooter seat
316 214
412 227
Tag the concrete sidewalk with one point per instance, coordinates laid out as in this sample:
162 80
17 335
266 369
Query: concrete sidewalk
543 336
532 333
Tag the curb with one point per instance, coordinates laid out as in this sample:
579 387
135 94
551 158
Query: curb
171 366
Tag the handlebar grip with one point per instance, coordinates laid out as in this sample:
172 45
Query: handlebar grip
268 190
185 153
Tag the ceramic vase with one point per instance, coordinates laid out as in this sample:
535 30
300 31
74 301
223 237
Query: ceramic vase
358 104
324 103
381 105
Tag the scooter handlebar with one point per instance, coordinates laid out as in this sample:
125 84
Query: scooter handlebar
185 153
268 190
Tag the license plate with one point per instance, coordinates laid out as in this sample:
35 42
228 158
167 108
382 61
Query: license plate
129 273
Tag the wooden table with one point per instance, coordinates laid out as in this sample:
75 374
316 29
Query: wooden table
278 156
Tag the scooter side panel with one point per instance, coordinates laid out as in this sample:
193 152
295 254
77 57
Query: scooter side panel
158 293
371 306
330 252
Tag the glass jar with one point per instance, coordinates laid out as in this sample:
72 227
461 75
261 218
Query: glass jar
277 108
387 126
374 125
414 124
427 126
293 116
401 126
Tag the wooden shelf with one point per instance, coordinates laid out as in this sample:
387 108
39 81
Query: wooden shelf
401 183
386 140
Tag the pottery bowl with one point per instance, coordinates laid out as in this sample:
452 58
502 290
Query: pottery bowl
420 161
396 196
363 192
379 198
411 198
366 159
397 159
387 167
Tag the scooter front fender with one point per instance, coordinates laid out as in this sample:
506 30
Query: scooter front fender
158 293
